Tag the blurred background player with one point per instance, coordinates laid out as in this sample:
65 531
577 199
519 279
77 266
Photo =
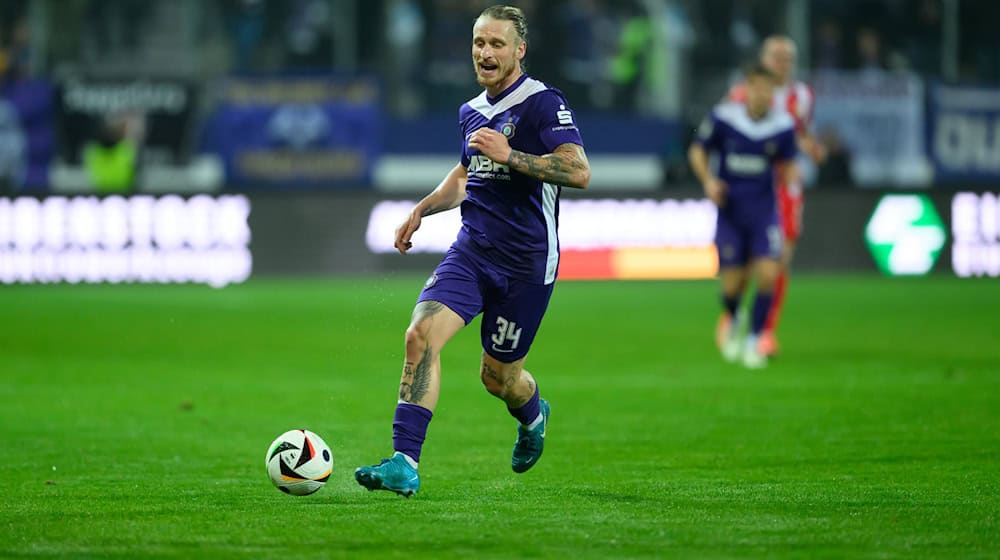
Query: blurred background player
753 142
778 55
521 145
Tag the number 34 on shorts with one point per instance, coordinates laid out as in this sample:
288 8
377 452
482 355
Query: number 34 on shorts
507 332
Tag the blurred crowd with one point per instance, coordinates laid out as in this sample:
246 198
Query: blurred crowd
669 59
600 51
15 42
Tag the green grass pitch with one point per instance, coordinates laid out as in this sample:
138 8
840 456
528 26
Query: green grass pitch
134 422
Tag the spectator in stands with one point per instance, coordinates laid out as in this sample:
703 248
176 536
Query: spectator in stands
111 161
245 20
634 44
870 55
15 55
828 48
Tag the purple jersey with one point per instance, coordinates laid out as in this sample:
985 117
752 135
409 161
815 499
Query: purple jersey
747 150
508 218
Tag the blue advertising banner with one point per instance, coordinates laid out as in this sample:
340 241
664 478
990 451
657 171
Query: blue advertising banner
27 137
291 133
964 133
879 117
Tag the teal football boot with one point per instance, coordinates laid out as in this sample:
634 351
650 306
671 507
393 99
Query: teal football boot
530 443
395 475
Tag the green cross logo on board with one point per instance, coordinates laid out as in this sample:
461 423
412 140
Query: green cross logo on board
905 235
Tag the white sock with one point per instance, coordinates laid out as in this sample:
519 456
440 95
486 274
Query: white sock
409 460
538 420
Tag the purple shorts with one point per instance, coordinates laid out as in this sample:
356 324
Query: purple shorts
512 309
741 239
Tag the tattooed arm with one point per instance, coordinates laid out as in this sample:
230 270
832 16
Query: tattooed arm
567 165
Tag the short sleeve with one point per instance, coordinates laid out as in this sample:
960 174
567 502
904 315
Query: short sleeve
557 122
709 133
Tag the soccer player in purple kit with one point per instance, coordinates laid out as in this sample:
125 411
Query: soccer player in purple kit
521 146
751 142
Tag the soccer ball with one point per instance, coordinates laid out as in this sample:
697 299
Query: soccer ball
299 462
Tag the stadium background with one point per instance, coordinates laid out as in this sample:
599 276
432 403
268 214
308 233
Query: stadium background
270 145
319 108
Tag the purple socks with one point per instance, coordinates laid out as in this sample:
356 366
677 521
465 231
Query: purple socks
409 428
527 413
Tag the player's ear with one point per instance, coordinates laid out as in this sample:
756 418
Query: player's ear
522 49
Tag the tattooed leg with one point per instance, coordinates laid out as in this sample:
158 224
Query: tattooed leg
430 328
510 383
416 378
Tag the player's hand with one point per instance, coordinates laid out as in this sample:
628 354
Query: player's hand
815 149
715 190
820 153
405 231
491 143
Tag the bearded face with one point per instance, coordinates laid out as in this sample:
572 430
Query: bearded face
496 53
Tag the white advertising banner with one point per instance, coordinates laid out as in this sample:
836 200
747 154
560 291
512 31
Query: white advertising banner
144 239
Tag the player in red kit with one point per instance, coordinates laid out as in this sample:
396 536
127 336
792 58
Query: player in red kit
778 55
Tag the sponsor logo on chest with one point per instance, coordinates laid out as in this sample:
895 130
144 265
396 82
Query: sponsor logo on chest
486 168
746 164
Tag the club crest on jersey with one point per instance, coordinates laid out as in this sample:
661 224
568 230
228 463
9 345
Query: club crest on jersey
431 281
508 129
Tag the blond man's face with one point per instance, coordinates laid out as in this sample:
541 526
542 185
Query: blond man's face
496 52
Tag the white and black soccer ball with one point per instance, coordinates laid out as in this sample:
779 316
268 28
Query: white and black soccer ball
299 462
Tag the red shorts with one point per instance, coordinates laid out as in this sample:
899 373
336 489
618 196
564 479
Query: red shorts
790 203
